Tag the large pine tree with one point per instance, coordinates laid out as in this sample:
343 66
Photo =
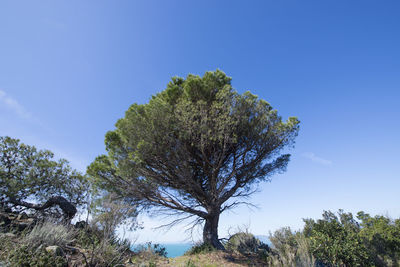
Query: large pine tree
197 148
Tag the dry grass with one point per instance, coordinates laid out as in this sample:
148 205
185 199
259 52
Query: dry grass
50 234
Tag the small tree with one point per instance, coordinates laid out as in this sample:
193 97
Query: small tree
30 178
109 212
196 148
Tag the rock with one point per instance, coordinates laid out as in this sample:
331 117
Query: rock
7 235
22 226
72 249
22 216
55 250
30 220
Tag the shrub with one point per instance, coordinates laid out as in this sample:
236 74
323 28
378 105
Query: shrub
102 250
25 256
8 244
336 240
200 249
244 243
382 236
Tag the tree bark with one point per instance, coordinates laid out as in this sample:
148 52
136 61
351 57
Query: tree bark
210 231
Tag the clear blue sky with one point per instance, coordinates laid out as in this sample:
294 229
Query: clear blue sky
70 69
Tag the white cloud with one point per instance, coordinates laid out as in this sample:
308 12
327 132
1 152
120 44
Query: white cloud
316 159
12 104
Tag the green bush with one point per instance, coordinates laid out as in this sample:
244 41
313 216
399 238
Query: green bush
88 237
200 249
8 244
335 240
25 256
382 236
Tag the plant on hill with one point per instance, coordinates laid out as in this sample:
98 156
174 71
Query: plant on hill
195 150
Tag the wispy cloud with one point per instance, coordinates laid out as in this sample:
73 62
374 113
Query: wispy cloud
316 159
27 137
13 105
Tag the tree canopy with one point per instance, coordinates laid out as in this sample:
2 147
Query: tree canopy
197 149
31 178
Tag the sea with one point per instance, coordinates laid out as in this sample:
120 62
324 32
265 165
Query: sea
178 249
173 249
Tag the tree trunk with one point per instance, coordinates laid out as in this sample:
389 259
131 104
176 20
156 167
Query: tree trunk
210 232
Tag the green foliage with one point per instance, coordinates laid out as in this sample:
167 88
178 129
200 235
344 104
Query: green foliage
88 238
25 256
7 245
28 173
336 240
200 249
382 236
